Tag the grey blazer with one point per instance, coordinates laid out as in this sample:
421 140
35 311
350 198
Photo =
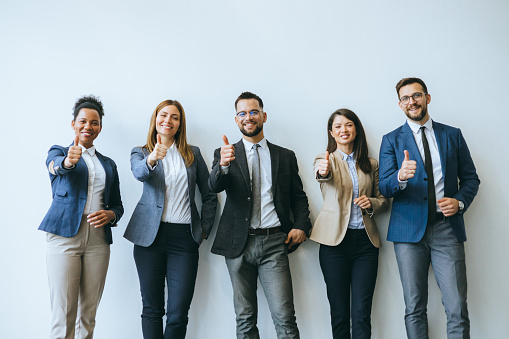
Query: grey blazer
290 199
144 224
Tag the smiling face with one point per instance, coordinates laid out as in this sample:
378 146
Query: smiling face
415 110
251 126
87 126
344 132
168 122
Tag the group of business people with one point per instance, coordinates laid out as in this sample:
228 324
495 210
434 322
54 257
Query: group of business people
424 166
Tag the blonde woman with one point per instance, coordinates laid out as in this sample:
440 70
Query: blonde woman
165 227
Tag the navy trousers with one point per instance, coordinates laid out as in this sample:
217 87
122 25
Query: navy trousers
350 266
173 256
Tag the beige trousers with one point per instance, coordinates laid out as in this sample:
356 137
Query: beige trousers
77 269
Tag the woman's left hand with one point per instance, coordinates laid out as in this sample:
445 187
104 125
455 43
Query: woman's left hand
100 218
363 202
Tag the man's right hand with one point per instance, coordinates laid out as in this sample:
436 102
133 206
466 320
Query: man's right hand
408 168
324 166
227 152
74 154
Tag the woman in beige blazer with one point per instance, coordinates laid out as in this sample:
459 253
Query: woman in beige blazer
345 227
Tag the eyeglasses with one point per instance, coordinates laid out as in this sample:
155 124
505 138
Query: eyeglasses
254 113
416 96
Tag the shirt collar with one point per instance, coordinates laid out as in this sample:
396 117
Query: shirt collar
345 156
173 148
249 145
415 126
90 150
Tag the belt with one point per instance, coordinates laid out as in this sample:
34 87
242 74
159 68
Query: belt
264 231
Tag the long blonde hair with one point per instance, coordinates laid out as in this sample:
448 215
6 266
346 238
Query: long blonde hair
180 136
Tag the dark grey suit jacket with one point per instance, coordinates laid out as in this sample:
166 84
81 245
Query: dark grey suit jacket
144 224
289 197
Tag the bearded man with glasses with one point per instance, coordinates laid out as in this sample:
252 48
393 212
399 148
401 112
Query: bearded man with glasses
256 232
426 167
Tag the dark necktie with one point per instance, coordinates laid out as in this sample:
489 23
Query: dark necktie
428 165
256 184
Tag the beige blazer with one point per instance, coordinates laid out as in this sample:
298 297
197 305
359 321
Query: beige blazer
337 191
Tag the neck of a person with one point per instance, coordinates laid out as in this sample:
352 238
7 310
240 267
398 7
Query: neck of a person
347 149
255 139
167 141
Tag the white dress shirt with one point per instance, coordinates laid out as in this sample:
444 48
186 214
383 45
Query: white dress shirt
177 208
96 181
268 214
435 155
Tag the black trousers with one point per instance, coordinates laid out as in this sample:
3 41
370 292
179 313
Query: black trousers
350 266
173 256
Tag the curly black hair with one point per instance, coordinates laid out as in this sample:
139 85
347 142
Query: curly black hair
88 101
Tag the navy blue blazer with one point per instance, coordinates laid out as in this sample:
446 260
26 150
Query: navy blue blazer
410 206
290 200
70 188
144 224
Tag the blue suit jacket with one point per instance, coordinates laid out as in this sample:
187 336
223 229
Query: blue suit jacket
410 207
70 188
144 224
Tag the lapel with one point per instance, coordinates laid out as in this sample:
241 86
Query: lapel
274 165
109 173
442 144
409 141
190 171
241 160
82 171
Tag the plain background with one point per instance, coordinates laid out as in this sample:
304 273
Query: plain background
305 59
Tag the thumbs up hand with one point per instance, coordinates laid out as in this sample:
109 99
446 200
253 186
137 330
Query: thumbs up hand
408 167
324 167
227 152
158 153
74 154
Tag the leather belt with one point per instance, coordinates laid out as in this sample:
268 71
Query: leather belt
264 231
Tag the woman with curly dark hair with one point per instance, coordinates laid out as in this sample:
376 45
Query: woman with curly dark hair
86 204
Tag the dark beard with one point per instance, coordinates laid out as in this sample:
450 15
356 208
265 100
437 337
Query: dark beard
257 131
419 117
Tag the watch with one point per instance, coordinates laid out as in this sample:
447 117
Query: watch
461 205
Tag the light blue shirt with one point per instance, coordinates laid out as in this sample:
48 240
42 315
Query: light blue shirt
355 221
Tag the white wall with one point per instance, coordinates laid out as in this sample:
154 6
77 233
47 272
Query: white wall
305 59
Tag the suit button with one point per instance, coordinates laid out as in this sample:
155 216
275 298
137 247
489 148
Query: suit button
395 189
248 198
425 179
247 219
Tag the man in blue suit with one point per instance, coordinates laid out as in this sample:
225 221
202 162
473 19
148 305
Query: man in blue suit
426 167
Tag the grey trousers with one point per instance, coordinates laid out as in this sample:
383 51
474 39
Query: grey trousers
265 257
77 269
440 248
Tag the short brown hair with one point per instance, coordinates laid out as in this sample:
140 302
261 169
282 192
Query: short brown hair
409 81
249 95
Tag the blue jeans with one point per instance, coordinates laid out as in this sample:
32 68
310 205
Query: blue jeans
351 265
265 257
172 256
440 248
